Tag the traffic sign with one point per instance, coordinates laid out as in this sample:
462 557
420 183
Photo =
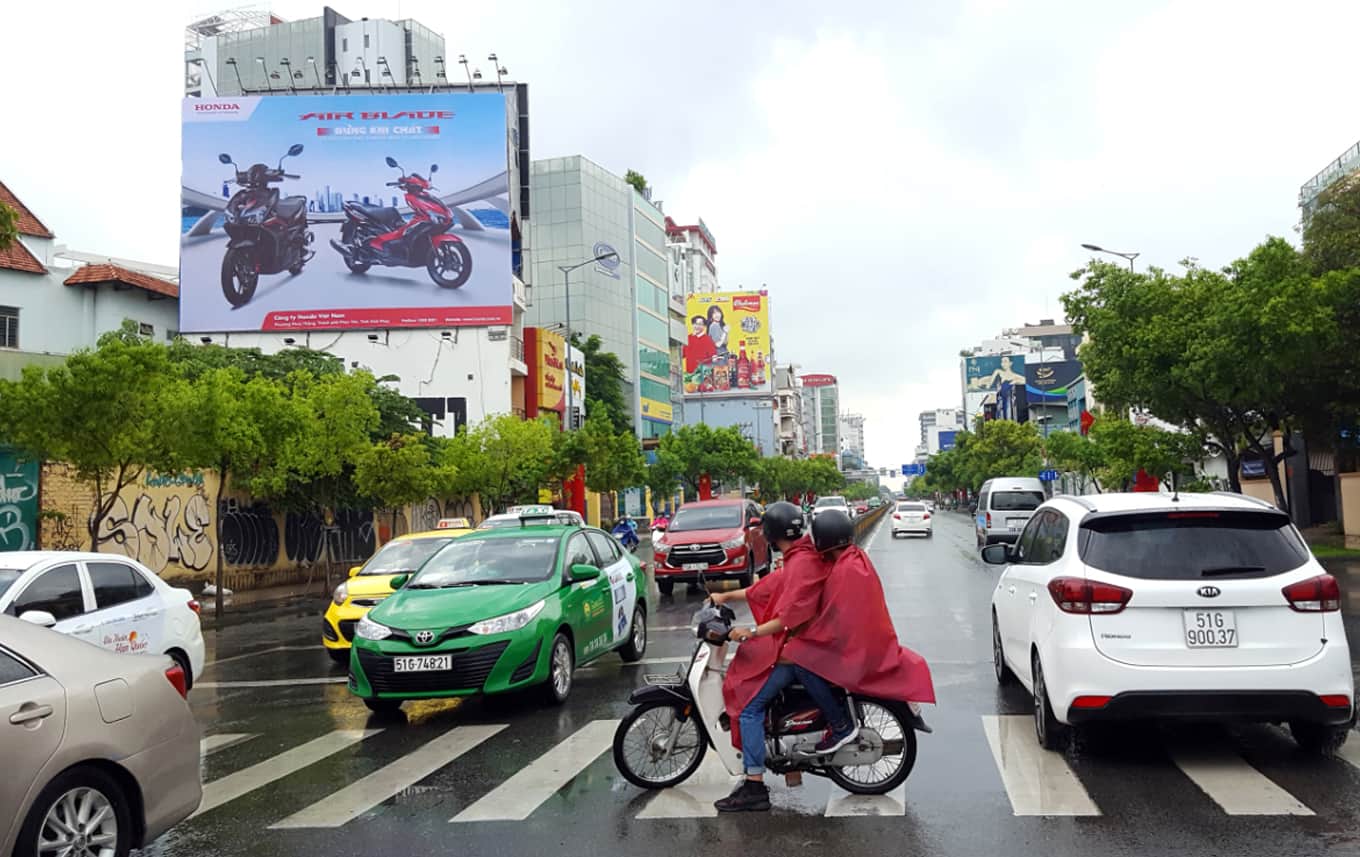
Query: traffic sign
913 470
1048 476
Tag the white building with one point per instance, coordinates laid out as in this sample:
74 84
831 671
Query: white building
821 414
693 252
933 423
852 438
789 406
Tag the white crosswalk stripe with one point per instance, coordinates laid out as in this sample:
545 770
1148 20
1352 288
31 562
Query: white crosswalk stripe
516 798
1233 784
362 795
212 743
694 797
1037 782
843 804
247 780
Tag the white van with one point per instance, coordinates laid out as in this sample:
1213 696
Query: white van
1004 506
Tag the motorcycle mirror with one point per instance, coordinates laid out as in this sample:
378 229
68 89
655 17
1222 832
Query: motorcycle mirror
434 168
224 158
391 161
295 150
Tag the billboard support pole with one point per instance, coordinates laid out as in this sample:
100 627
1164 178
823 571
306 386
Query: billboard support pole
566 292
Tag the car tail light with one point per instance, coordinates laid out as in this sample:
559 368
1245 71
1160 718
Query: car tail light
1075 595
1319 594
1338 700
897 517
1091 701
195 606
175 673
926 516
989 520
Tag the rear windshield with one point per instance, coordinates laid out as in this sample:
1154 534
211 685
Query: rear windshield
1193 545
1017 501
910 507
830 501
399 557
690 518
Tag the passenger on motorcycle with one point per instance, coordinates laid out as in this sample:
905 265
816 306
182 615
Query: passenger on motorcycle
782 604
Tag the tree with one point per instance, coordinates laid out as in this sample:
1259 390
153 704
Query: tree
692 451
604 382
399 471
1124 449
860 491
9 226
505 460
637 180
1001 448
612 460
103 412
1331 234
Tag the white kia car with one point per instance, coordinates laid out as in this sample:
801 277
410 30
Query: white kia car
911 517
1143 606
105 599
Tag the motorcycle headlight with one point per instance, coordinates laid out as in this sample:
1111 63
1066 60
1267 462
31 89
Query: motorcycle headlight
508 622
340 594
734 542
369 630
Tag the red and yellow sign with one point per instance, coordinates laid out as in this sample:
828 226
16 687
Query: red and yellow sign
728 352
551 360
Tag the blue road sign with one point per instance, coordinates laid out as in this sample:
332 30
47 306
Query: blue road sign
1048 476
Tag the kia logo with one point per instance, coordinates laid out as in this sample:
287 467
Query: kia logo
424 638
1209 591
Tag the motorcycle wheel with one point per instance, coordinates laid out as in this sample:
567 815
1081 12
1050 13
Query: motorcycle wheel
450 265
641 736
239 277
892 721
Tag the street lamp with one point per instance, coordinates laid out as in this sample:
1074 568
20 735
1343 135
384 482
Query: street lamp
566 287
1129 256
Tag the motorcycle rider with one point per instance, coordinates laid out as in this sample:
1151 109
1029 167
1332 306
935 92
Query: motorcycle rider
782 603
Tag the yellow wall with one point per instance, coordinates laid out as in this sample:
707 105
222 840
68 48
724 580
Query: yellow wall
1350 509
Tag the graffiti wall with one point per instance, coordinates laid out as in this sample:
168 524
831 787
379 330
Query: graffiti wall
18 501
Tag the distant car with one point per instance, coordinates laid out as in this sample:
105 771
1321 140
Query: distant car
105 599
101 750
1004 506
875 502
517 514
910 517
861 508
715 539
837 503
370 583
1123 607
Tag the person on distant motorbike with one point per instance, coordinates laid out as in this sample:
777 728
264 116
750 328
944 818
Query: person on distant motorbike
782 604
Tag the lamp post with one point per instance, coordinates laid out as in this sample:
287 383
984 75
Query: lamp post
1127 256
566 270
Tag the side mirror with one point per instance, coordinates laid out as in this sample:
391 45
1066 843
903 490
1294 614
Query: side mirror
582 572
399 581
39 617
996 554
295 150
391 161
224 158
355 571
434 168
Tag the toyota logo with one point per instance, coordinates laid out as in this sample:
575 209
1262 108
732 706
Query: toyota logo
1209 591
424 638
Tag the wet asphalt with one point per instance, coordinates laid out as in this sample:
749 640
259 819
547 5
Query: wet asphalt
298 767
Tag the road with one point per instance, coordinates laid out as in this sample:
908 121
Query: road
294 766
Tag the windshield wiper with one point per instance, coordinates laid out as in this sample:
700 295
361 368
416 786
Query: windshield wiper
1218 571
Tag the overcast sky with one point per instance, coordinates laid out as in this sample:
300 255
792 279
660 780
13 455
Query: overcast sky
907 178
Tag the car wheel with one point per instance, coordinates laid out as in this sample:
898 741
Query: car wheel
383 706
636 646
340 656
1052 735
561 663
666 587
182 661
82 811
1318 739
1004 676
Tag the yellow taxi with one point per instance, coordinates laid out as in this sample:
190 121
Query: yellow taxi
370 583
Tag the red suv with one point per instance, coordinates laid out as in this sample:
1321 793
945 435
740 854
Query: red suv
719 538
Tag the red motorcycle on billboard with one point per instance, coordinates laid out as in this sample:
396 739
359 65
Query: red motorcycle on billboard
377 235
266 233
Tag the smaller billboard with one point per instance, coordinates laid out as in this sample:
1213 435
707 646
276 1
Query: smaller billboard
947 439
550 360
818 380
1046 383
728 350
657 411
990 372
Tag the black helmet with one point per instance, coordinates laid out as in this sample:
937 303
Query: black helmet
832 529
781 520
713 622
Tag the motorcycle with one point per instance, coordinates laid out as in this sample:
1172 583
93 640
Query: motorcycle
660 524
375 235
626 532
267 233
676 719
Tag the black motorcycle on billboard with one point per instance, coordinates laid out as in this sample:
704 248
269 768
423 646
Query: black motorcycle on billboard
267 232
377 235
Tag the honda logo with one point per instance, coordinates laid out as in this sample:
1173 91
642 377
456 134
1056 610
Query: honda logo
1209 591
424 638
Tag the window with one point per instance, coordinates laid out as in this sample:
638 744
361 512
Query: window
579 552
691 518
653 390
1044 538
344 45
365 39
653 329
1016 501
146 329
605 547
116 583
1193 545
1025 545
654 362
56 591
170 334
9 327
12 669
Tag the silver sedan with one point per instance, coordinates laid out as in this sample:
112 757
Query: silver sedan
101 751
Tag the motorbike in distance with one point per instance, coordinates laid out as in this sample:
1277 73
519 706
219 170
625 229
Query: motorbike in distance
676 719
378 235
625 530
266 233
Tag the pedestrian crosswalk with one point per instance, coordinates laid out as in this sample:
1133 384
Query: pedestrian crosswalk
1031 781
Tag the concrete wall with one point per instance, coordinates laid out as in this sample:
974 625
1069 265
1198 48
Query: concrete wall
1350 508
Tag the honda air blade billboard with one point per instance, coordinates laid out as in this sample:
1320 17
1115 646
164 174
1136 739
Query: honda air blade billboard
333 212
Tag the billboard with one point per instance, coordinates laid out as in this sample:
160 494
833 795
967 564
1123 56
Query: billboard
550 362
947 440
818 380
728 349
334 212
1046 383
989 373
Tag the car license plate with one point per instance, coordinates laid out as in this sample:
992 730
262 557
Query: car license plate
1210 629
695 566
1015 525
422 663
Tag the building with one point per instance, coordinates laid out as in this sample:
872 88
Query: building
938 428
584 211
821 414
1346 164
245 51
693 253
789 414
1048 334
852 440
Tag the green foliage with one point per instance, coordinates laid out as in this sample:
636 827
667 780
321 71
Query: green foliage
1331 236
613 460
604 382
787 478
637 180
691 451
505 460
9 226
997 448
399 471
860 491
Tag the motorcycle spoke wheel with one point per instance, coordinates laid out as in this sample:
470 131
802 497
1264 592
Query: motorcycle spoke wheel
640 747
450 265
899 753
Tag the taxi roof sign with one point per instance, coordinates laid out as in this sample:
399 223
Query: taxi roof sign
453 524
535 509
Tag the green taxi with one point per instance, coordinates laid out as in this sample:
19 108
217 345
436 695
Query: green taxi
502 610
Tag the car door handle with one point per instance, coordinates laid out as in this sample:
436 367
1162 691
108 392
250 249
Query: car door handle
1011 590
30 712
1033 596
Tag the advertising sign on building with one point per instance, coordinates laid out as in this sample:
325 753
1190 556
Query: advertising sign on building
657 411
947 440
333 212
728 350
551 365
1046 383
989 373
818 380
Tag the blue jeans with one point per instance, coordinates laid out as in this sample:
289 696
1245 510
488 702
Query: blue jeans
752 719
